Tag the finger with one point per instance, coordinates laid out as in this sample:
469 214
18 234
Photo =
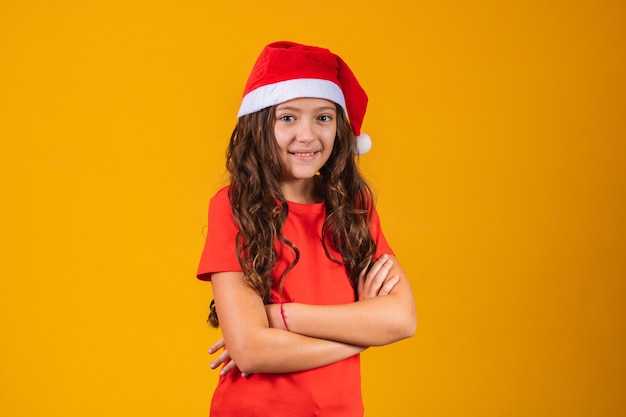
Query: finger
388 285
227 368
366 277
376 266
377 277
361 281
378 281
223 357
217 346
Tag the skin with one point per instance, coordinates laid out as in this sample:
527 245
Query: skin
257 341
305 132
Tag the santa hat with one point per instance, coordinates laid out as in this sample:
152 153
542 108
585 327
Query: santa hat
287 70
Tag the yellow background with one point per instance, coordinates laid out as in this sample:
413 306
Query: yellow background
498 159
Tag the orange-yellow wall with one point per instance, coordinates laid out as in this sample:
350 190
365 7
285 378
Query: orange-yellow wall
498 158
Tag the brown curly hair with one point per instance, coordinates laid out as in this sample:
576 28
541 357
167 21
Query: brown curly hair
260 209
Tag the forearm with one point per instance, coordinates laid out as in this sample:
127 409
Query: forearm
254 345
382 316
375 322
278 351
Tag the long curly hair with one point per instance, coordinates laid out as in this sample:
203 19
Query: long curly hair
260 209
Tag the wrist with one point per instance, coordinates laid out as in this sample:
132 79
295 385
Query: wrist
283 316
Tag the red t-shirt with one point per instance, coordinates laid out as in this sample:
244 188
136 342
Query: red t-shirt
332 390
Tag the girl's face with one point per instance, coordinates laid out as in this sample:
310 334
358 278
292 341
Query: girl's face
305 131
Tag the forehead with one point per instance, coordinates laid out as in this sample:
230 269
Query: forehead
308 103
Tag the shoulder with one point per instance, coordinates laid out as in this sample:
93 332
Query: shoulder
221 197
220 205
222 193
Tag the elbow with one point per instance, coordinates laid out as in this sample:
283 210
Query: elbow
412 323
411 327
395 331
248 365
244 359
406 327
247 355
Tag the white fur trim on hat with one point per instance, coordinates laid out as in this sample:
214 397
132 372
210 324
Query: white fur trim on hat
273 94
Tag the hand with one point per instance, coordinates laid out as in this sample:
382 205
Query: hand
223 357
374 281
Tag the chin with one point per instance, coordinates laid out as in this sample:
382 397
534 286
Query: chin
304 174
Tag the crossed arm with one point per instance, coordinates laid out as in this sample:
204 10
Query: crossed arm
318 335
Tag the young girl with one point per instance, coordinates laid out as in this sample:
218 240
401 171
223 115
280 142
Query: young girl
303 278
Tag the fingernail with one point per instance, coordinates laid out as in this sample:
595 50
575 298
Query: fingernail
212 366
243 374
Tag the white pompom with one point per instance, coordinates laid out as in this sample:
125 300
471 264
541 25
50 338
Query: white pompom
363 143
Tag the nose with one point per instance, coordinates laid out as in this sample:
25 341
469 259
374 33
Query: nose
306 132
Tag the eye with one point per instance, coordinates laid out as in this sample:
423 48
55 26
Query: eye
287 118
325 118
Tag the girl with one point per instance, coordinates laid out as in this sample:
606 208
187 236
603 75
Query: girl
303 278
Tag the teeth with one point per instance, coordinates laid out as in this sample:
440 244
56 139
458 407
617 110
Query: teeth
304 153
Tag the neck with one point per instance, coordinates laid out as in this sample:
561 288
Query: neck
301 191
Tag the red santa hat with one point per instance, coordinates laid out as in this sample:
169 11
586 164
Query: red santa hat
287 70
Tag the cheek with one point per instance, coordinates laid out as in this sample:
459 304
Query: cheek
280 140
330 137
329 148
330 142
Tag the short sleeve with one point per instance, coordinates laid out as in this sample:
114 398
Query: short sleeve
376 230
219 253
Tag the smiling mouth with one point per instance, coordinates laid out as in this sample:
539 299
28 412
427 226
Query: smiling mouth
304 154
